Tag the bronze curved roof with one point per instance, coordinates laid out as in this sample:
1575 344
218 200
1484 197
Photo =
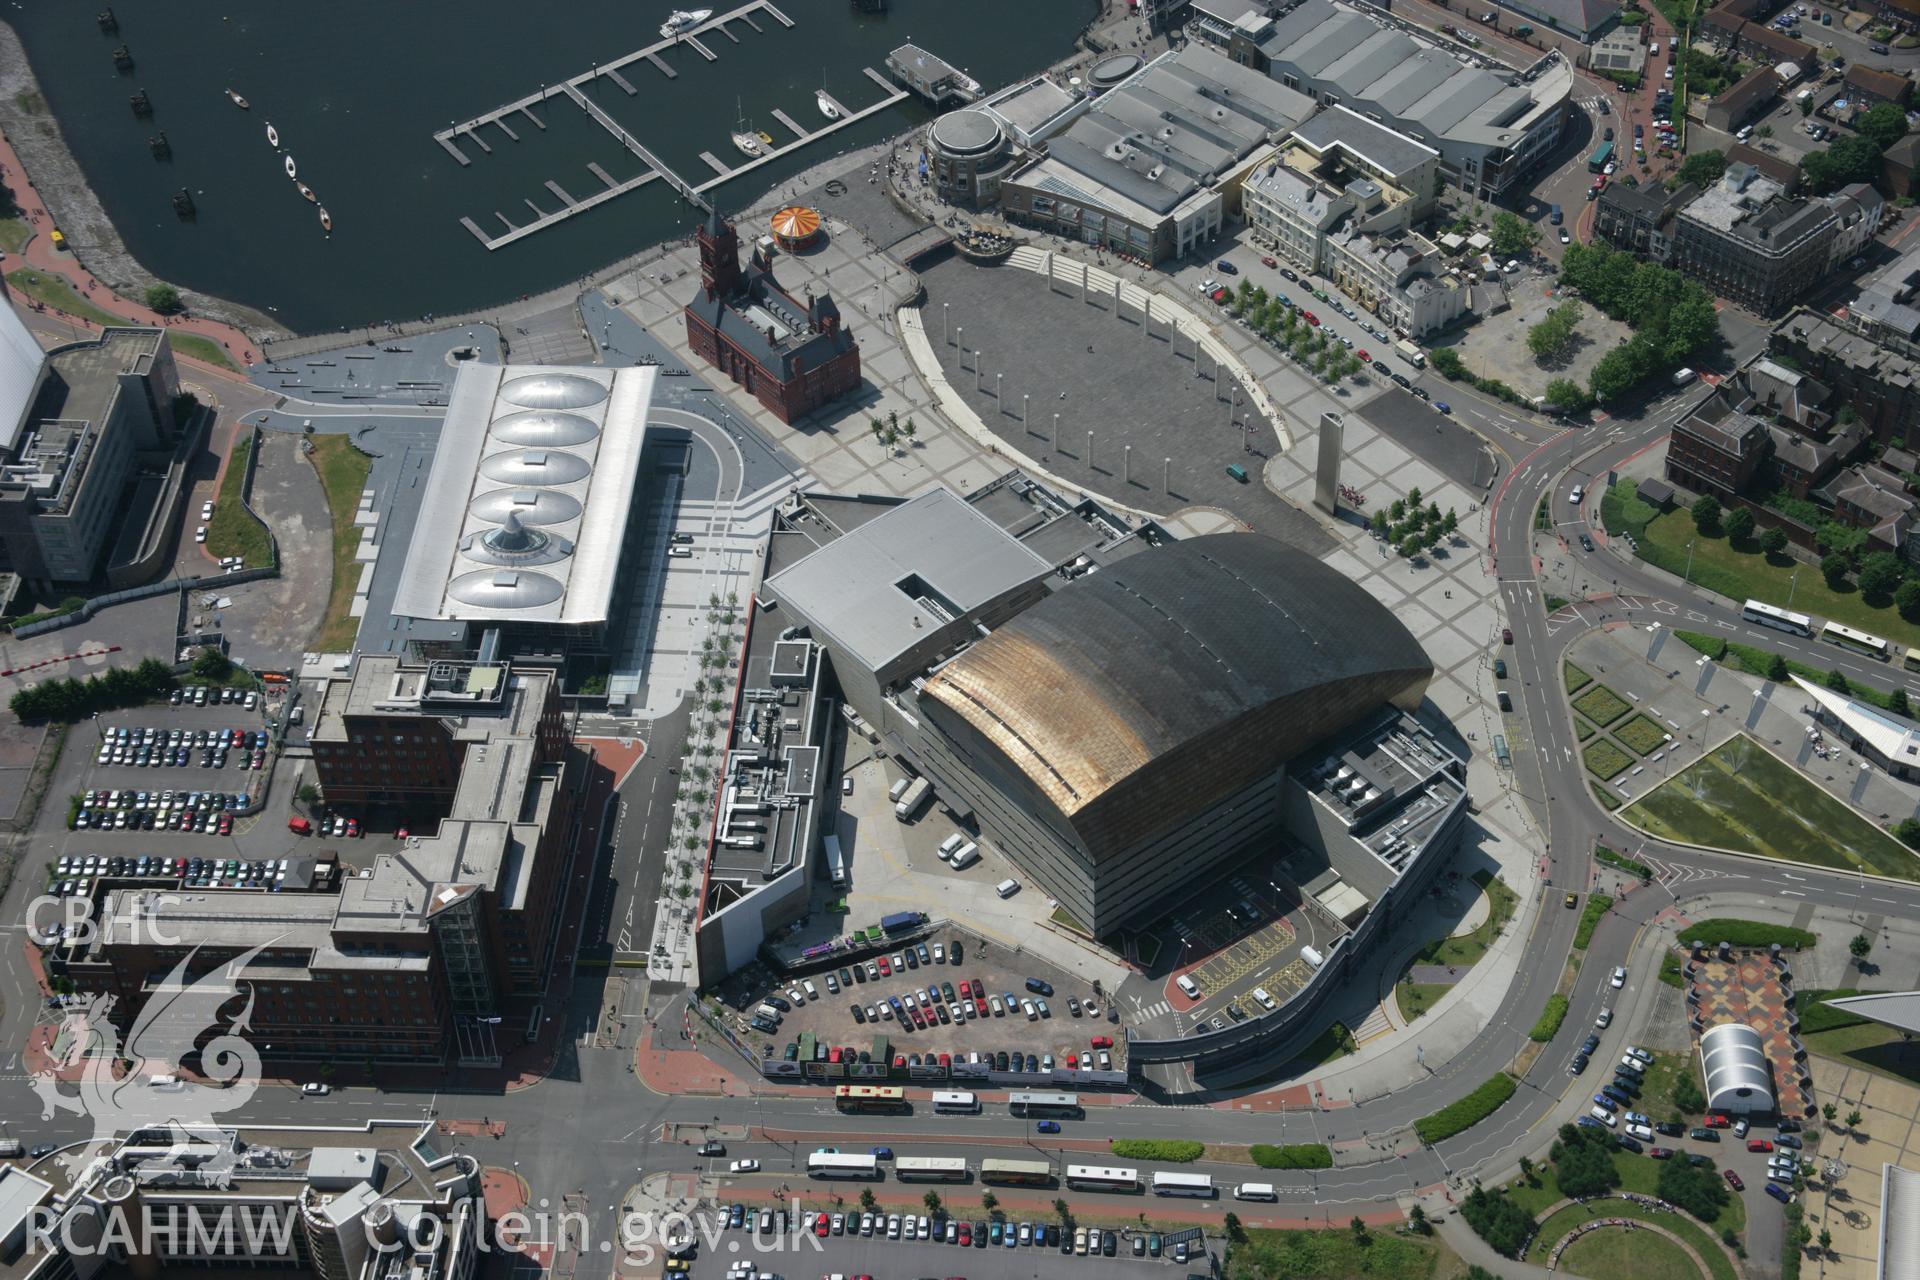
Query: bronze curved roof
1187 670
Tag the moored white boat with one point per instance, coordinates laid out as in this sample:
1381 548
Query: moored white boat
827 108
681 21
292 171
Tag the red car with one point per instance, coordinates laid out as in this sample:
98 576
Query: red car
1660 1153
833 1054
1310 318
1073 1060
966 1233
1268 262
946 1060
1101 1042
1759 1144
353 827
1717 1121
885 968
1362 353
900 1061
1733 1180
820 1225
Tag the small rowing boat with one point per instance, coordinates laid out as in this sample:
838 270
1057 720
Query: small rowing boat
307 192
292 172
326 220
827 108
273 136
237 100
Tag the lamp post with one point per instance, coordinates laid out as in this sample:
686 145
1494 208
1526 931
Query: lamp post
1053 440
976 368
1023 408
1688 575
998 380
946 318
1089 450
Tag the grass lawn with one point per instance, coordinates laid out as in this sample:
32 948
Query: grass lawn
233 531
1868 1044
1416 998
1623 512
1601 705
1066 920
14 233
1576 678
1607 798
1556 1228
1335 1255
1741 797
1643 1255
56 292
1583 728
205 350
1641 735
343 474
1739 574
1606 761
1469 947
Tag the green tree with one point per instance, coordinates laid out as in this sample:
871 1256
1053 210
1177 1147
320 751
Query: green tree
1703 168
1062 1210
1565 393
1907 832
1448 363
1616 374
1884 125
211 664
932 1201
1859 946
1898 705
1773 540
1829 1111
1687 1098
1700 1191
866 1199
163 298
1880 574
1359 1230
1906 598
1706 514
1837 681
1416 1219
1739 524
1379 522
1583 1164
1833 568
1503 1224
1777 669
1235 1232
1513 236
1826 1236
1554 335
308 795
989 1201
1854 1118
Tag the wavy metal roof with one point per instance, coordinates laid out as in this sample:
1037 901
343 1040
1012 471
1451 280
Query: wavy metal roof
1144 692
1734 1062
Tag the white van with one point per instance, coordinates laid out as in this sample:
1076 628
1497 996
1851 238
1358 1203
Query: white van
1188 985
1746 131
968 855
951 843
1266 1001
1681 377
899 786
1007 888
813 992
768 1012
1255 1191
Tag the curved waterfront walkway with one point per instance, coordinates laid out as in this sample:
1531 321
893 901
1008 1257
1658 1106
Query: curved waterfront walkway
40 255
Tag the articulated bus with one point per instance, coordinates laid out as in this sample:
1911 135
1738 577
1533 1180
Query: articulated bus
870 1097
1038 1105
930 1169
1199 1185
822 1164
954 1102
1087 1177
1017 1173
1779 619
1858 641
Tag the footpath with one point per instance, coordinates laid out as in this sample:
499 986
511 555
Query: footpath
41 255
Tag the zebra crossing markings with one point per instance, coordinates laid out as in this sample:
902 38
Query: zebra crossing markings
1147 1012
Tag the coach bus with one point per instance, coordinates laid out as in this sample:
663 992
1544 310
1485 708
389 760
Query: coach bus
1039 1105
832 1164
955 1102
1017 1173
1858 641
1597 162
858 1098
1089 1177
1779 619
1199 1185
930 1169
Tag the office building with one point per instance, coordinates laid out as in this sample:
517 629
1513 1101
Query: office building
93 409
1750 243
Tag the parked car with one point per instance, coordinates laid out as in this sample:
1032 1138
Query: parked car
1733 1180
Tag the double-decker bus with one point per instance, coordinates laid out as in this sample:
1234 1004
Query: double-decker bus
1089 1177
1183 1184
1858 641
824 1164
1769 616
861 1098
930 1169
1038 1105
954 1102
1017 1173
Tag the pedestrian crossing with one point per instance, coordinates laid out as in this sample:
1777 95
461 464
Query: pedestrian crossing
1148 1012
1592 105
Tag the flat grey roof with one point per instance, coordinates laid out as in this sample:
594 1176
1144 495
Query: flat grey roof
1394 152
1897 1009
871 584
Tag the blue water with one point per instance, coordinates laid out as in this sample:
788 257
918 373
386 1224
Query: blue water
358 88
